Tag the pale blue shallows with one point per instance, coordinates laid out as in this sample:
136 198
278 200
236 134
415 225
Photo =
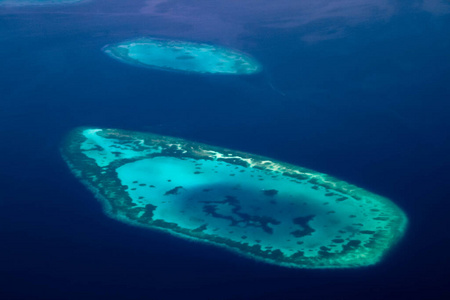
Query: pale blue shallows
183 56
267 210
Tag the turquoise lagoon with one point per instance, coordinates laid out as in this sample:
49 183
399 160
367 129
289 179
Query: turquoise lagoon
36 2
264 209
182 56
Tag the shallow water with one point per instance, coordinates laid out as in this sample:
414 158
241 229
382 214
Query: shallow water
366 89
266 210
183 56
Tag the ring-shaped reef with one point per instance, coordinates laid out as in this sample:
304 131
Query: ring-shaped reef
36 2
174 55
259 207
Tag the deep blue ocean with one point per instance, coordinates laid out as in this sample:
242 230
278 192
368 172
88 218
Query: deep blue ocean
356 89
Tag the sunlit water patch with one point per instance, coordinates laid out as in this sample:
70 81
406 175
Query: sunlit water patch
183 56
259 207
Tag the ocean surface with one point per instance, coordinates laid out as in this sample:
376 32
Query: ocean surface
359 90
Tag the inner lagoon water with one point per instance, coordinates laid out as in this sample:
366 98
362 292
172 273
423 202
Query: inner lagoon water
357 90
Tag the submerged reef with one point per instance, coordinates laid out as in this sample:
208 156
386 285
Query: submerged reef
182 56
264 209
35 2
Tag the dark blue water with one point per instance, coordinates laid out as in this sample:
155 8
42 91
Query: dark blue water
363 96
